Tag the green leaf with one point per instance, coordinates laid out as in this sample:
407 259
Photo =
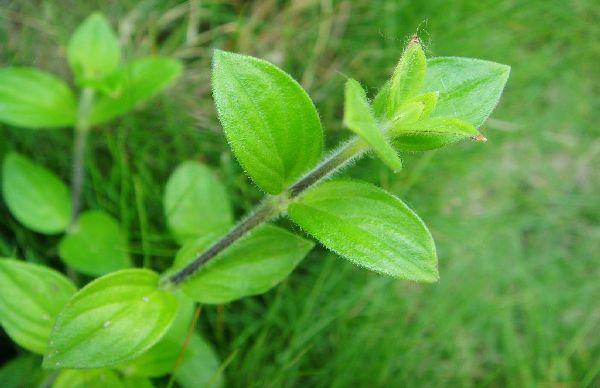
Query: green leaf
138 81
429 101
370 227
433 133
469 88
196 203
95 245
408 77
30 98
270 122
201 366
251 266
359 118
34 195
137 382
113 319
93 49
95 378
31 296
162 357
20 372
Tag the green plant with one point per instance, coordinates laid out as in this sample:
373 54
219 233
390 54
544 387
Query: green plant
275 132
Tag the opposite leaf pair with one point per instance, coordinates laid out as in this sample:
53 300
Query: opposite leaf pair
31 98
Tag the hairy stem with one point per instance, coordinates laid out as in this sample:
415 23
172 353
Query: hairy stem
274 206
82 128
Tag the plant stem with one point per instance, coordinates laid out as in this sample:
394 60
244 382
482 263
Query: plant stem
274 206
82 127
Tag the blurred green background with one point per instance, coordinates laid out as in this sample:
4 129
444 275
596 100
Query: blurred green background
516 220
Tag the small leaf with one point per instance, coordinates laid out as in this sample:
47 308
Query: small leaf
408 77
113 319
469 88
432 133
429 101
137 382
93 49
30 98
408 113
196 203
251 266
161 359
370 227
96 245
359 118
201 366
95 378
31 296
138 81
34 195
270 122
21 372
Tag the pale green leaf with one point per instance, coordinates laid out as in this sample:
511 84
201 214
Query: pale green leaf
408 77
196 203
137 82
31 296
34 195
368 226
251 266
161 359
201 366
432 133
429 101
94 378
359 118
93 49
30 98
95 245
270 122
113 319
469 88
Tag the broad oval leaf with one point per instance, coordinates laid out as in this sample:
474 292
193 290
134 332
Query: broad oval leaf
134 83
34 195
196 203
95 245
31 296
359 118
93 49
161 359
370 227
270 122
408 77
201 367
251 266
30 98
469 88
82 378
113 319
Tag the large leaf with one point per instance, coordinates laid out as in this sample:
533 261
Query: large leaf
111 320
269 120
469 88
359 118
95 378
251 266
368 226
95 245
433 133
408 77
93 49
162 357
196 203
31 296
34 195
30 98
201 366
135 83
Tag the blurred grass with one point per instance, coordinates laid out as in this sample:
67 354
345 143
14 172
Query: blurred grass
516 220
